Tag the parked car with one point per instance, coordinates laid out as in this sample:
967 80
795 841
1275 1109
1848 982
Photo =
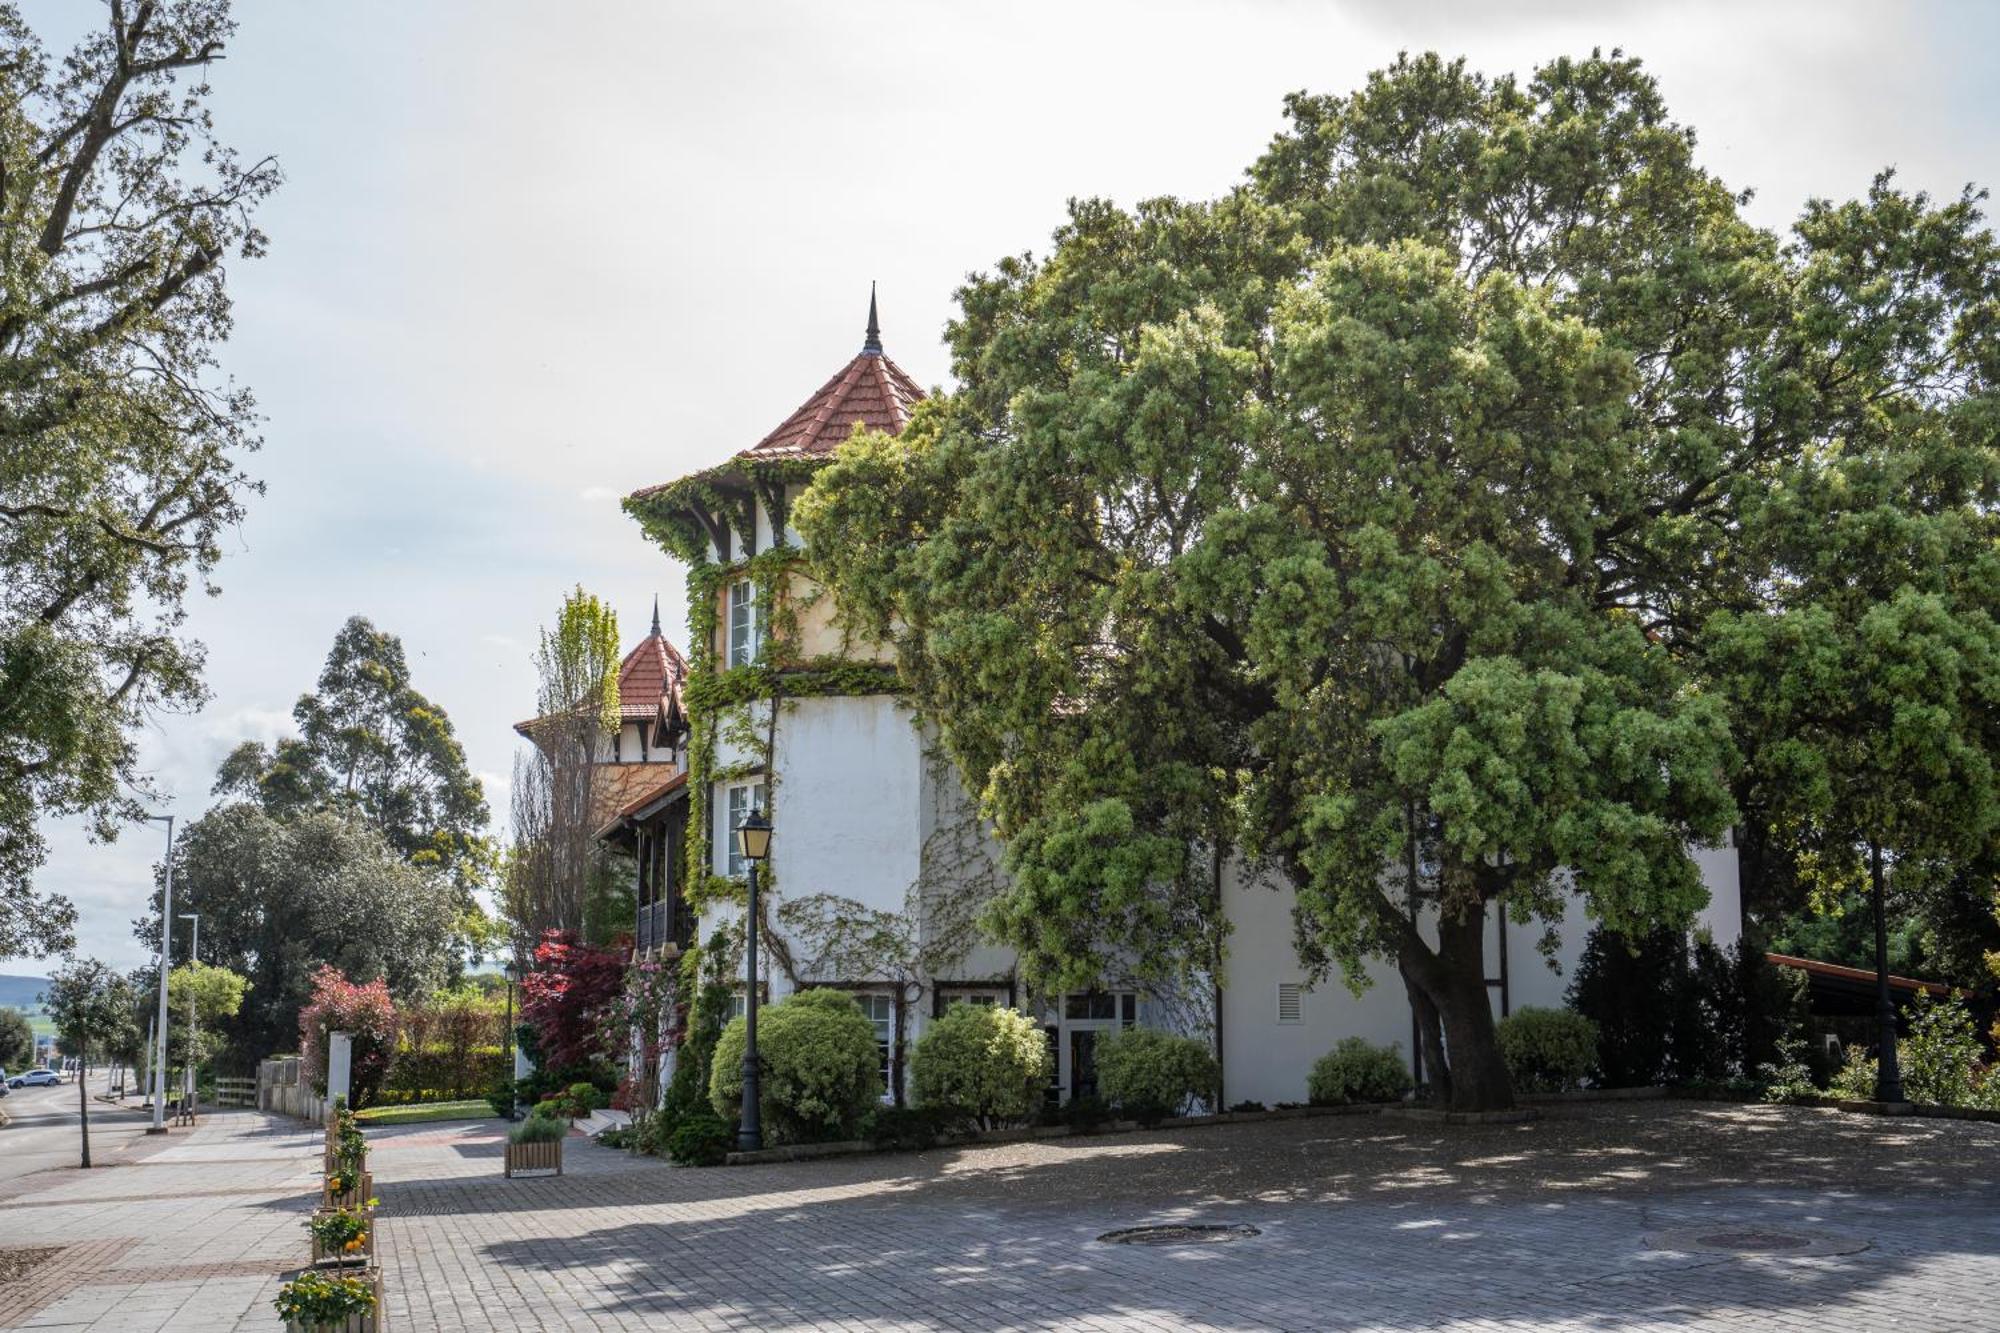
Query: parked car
34 1078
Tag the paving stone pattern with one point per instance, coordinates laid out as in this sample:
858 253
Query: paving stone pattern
1567 1223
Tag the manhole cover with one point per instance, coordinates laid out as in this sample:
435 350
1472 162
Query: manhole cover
1179 1234
1754 1240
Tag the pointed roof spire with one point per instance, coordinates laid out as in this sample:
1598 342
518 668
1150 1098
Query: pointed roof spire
874 343
656 615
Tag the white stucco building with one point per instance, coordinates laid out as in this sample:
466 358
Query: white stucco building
865 817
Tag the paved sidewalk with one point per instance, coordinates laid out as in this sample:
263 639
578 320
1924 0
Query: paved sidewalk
1586 1220
193 1232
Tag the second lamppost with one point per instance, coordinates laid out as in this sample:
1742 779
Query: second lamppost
753 844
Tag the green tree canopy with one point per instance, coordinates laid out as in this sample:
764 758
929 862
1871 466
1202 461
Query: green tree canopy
93 1008
17 1040
372 745
119 212
1365 521
279 898
208 995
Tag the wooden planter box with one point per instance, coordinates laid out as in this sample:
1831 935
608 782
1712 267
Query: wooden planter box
534 1157
363 1191
359 1260
366 1323
330 1160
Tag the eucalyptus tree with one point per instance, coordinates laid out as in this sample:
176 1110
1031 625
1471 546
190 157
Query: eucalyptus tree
1364 523
120 442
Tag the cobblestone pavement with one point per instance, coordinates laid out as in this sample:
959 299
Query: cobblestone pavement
1586 1219
1592 1218
190 1231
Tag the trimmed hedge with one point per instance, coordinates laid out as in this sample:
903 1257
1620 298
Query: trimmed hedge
1547 1050
1150 1075
989 1065
821 1068
1357 1070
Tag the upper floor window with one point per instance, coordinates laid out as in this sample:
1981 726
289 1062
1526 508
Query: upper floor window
746 630
743 798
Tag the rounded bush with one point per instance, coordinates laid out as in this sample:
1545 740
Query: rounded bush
1548 1050
821 1070
1357 1070
702 1140
1148 1074
987 1063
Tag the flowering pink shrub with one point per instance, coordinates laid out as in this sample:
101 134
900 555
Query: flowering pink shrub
366 1013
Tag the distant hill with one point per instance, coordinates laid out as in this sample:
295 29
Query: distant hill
22 992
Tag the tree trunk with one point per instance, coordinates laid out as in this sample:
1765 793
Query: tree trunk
83 1105
1479 1080
1430 1038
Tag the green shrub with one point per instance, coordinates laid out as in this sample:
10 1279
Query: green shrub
821 1068
539 1128
910 1128
1356 1070
1547 1050
1149 1074
1084 1114
501 1098
992 1064
701 1140
1940 1058
1248 1108
1789 1078
1854 1081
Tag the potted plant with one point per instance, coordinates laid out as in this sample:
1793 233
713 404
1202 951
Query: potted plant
346 1187
323 1302
343 1236
536 1144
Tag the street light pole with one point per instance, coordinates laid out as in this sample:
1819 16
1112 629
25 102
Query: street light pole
1888 1073
753 842
513 974
159 1125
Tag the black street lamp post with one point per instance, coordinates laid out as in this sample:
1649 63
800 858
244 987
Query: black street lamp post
1888 1074
513 972
753 843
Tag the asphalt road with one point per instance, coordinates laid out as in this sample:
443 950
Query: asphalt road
42 1129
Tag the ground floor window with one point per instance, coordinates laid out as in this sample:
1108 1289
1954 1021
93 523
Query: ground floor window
881 1011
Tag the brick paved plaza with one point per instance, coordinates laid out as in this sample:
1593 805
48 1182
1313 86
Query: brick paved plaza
1571 1222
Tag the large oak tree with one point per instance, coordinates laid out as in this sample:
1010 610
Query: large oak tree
1365 523
119 439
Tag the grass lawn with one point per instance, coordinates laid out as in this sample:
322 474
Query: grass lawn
476 1109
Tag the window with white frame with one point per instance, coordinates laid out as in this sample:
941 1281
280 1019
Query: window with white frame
743 798
881 1011
746 630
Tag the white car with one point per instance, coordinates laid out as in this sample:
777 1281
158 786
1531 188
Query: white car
34 1078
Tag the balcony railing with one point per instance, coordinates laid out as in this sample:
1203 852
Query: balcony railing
661 924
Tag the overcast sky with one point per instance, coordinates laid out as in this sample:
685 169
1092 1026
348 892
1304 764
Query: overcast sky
530 256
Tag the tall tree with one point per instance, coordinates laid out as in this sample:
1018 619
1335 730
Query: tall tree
556 863
370 744
17 1039
92 1007
119 441
1364 523
279 898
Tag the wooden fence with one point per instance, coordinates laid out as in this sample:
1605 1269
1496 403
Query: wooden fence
236 1092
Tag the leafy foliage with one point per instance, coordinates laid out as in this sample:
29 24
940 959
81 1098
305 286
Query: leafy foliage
120 475
703 1139
822 1069
1942 1057
983 1063
17 1040
1148 1074
208 994
371 745
1357 1070
366 1013
1548 1050
1435 499
315 1300
567 996
540 1127
280 897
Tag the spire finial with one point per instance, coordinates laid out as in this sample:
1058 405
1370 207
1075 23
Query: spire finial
874 343
656 615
